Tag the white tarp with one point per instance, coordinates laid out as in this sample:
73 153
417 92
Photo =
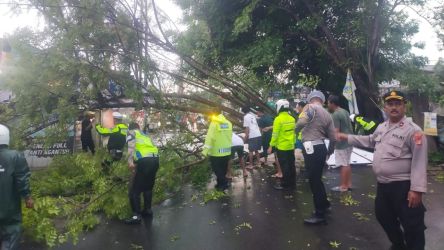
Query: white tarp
359 156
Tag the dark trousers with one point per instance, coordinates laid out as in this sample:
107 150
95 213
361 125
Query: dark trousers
286 160
219 166
314 165
88 143
10 236
143 183
116 155
392 211
266 138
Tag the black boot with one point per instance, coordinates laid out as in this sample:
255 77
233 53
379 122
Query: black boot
147 213
133 220
316 220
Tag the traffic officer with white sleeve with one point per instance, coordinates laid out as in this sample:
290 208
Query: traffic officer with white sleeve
143 161
400 164
316 125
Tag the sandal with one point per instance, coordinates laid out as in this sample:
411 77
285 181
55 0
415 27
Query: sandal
338 189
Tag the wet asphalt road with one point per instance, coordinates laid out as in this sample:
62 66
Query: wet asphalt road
275 218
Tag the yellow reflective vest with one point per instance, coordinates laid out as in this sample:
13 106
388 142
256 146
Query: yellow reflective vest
117 135
218 139
144 146
283 137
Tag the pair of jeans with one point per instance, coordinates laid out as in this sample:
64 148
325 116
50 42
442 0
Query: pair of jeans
392 211
314 165
219 166
286 160
142 183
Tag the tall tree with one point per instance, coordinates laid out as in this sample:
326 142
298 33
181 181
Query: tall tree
290 37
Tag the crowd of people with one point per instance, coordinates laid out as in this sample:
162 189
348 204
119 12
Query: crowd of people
400 160
400 156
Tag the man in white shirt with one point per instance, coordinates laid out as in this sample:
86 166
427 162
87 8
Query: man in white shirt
237 147
252 136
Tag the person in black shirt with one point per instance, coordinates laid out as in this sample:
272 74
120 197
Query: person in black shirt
265 123
86 136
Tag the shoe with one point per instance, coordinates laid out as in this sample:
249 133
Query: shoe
315 220
135 219
393 247
338 189
147 213
327 211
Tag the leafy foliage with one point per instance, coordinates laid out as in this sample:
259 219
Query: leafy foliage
75 191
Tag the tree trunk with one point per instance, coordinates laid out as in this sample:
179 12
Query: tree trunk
420 104
367 97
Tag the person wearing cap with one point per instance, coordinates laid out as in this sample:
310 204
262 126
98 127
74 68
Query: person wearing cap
343 151
86 136
400 165
143 161
117 137
218 147
265 123
316 125
14 185
283 139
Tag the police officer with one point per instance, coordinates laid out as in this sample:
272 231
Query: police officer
316 125
218 147
14 185
117 137
283 139
363 125
143 161
400 165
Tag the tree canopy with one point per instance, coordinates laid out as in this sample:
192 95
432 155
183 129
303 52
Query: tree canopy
284 39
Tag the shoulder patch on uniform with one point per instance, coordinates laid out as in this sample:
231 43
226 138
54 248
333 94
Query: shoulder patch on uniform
417 137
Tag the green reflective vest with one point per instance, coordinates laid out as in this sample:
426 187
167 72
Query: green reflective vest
144 146
218 139
365 124
117 135
284 136
119 128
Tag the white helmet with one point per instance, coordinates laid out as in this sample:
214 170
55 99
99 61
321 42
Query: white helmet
4 135
282 103
117 115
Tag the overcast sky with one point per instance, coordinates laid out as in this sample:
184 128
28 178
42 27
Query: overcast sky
9 22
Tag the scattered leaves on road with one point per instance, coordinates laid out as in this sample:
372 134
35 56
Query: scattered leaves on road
361 216
334 244
136 247
174 238
348 200
213 195
244 225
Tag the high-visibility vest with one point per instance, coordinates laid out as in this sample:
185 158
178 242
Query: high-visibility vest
284 136
144 146
366 125
117 135
119 128
218 139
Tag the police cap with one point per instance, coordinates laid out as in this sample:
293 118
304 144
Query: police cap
394 95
